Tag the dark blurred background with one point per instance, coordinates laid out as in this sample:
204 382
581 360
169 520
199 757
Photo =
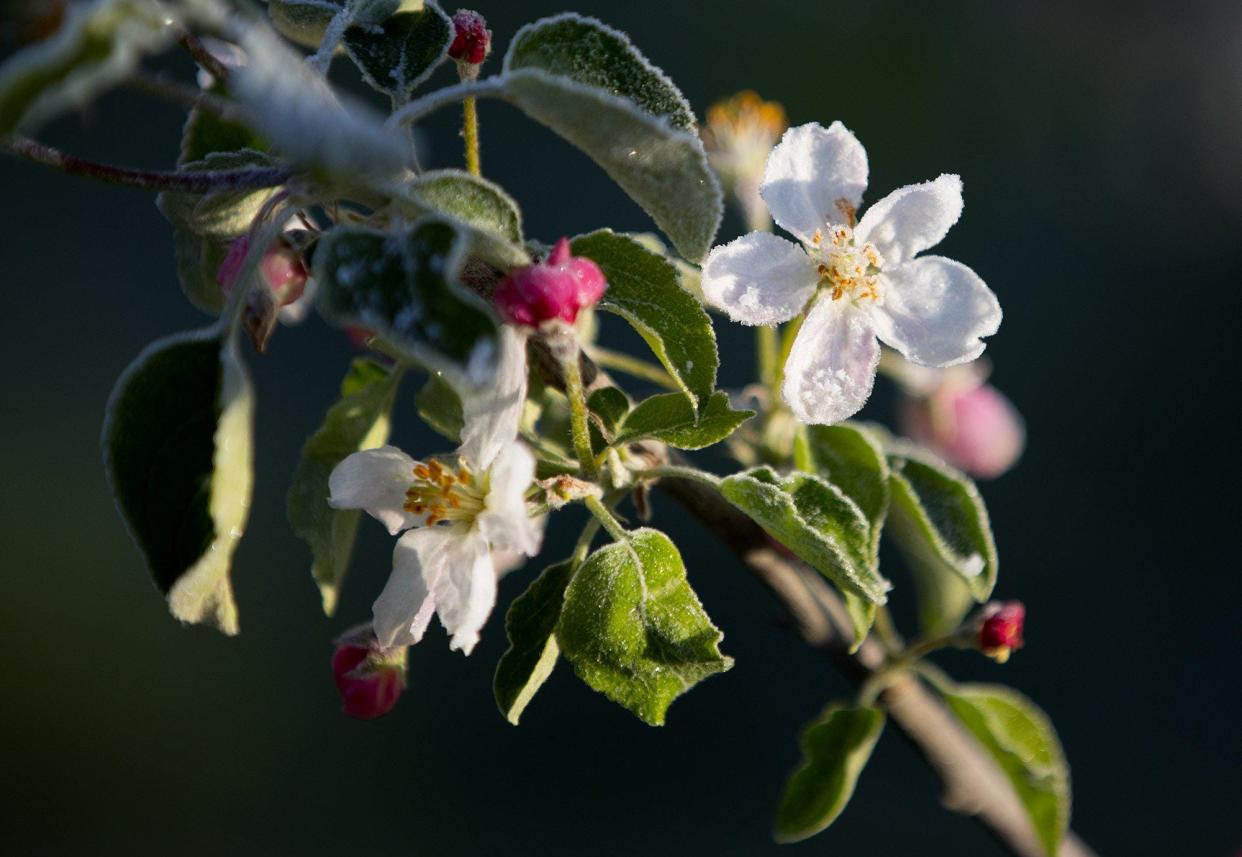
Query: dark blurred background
1100 148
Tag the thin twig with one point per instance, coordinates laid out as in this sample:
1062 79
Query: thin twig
183 182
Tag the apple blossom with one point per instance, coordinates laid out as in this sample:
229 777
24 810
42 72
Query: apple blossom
855 280
1000 629
739 133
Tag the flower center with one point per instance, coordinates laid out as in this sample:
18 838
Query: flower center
443 494
846 269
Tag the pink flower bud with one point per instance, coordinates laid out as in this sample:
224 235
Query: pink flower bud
968 423
370 680
282 269
472 41
1000 631
556 288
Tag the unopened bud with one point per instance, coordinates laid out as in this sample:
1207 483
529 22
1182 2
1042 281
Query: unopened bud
968 423
370 679
557 288
282 269
1000 629
472 41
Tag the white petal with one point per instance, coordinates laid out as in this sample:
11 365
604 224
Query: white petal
466 592
375 480
493 412
911 219
831 367
811 170
403 610
759 279
504 521
935 310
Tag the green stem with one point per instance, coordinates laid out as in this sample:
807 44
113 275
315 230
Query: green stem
583 547
899 663
766 343
470 131
579 421
886 630
787 342
180 182
633 366
672 471
606 519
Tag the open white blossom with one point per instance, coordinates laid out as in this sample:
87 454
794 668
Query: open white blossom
856 279
492 413
455 517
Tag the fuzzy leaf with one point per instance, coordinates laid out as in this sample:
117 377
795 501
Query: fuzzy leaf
835 749
633 628
403 285
1021 739
178 447
98 46
942 525
643 289
206 132
440 407
586 82
398 55
848 457
305 21
816 521
359 420
474 201
218 213
669 417
531 627
611 405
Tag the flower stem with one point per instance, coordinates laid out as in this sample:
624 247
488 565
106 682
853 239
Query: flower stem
900 663
579 421
673 471
769 353
633 366
607 519
186 182
787 343
470 131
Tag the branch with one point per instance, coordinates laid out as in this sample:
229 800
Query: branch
183 182
973 783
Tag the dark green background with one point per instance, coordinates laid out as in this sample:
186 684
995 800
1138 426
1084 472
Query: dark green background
1099 144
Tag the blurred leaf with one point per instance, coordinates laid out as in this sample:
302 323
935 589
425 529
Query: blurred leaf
634 629
1021 739
440 407
297 111
670 418
99 45
225 213
304 21
206 131
611 405
359 420
590 85
835 749
399 54
816 521
848 457
403 286
942 525
178 448
643 289
531 625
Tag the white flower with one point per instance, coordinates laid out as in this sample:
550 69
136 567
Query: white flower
456 517
861 279
493 412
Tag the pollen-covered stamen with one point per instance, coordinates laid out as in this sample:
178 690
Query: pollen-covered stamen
443 494
846 269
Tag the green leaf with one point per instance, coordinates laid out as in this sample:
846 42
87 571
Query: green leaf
206 132
587 83
474 201
611 405
359 420
1021 739
303 118
816 521
198 261
397 56
178 447
850 458
403 285
218 213
634 629
669 417
531 627
643 289
940 521
99 45
440 407
304 21
835 749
